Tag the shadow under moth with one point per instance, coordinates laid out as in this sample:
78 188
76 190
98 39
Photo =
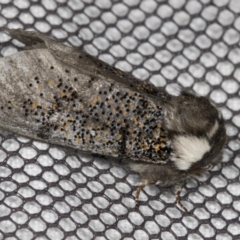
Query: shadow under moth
60 95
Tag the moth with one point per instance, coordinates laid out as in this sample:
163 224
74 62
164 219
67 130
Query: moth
60 95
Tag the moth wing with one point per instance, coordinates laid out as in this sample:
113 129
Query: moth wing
42 99
84 62
63 96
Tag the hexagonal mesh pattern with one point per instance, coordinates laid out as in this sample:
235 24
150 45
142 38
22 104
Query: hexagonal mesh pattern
48 192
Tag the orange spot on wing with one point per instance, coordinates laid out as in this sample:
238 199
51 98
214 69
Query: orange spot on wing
119 136
51 83
54 105
78 140
80 106
34 105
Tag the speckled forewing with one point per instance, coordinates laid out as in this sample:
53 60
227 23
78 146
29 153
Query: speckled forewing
68 98
84 62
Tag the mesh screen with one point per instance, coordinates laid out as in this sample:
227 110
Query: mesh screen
48 192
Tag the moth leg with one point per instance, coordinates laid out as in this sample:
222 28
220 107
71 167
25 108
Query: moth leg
177 192
139 189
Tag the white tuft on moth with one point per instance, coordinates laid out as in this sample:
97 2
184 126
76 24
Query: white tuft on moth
58 94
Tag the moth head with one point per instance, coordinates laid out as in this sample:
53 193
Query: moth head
197 132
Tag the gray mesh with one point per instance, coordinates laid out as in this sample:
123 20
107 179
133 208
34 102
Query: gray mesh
48 192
